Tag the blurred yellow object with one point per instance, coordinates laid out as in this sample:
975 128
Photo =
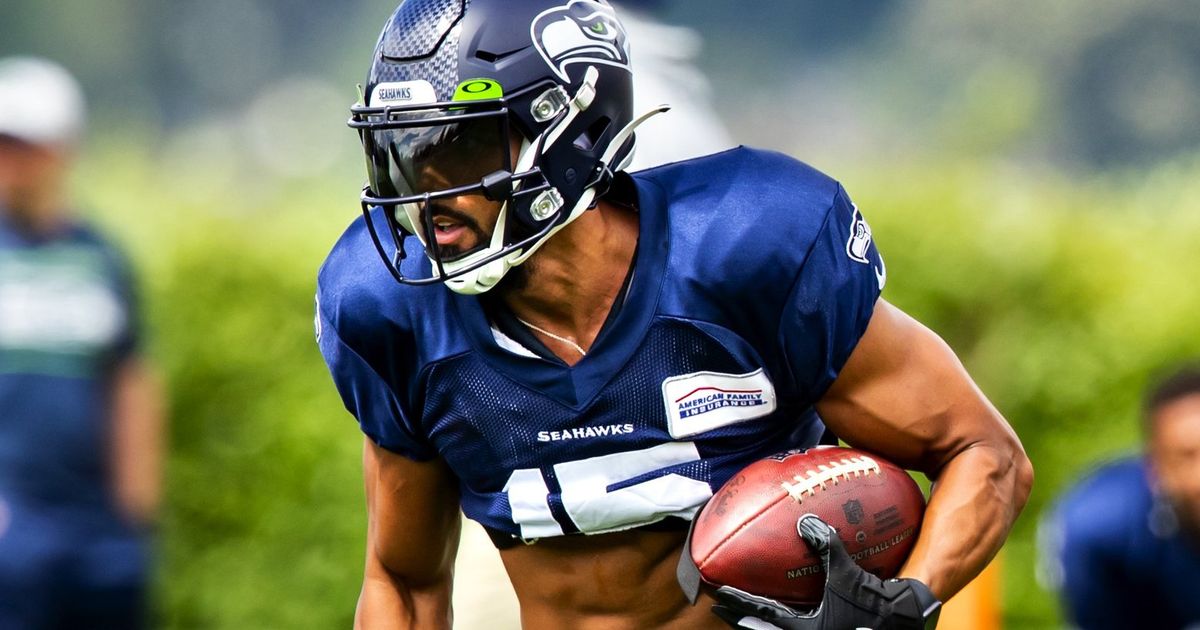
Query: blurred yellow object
976 607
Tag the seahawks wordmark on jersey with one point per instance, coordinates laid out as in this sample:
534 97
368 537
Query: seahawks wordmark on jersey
748 294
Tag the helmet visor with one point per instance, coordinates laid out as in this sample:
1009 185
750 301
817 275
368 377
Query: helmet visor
433 153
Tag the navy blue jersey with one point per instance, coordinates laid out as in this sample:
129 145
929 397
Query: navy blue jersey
754 279
1117 554
66 319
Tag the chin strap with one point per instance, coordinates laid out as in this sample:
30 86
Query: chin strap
578 104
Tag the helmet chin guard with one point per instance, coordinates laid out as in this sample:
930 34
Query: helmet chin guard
430 135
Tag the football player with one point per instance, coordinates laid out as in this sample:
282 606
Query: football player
80 418
665 52
578 356
1123 546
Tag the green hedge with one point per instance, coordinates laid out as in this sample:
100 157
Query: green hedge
265 518
1060 295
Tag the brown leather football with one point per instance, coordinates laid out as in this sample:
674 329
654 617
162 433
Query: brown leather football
746 537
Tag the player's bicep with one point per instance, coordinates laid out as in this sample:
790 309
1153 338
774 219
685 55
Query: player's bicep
413 518
905 394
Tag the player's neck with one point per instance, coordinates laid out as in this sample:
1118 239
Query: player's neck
569 286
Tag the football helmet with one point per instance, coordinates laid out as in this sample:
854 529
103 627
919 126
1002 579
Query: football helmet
526 104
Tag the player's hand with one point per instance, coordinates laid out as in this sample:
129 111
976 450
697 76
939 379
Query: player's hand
853 598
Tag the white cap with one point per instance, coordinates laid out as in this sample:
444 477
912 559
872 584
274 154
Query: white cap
40 102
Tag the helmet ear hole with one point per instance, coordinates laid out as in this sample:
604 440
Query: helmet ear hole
592 135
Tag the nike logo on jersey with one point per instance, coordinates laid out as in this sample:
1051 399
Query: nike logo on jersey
580 433
881 273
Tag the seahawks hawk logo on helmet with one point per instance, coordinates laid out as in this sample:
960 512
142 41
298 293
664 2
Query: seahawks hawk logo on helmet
582 31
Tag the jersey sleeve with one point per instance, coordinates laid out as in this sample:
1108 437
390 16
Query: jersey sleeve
368 396
831 300
114 268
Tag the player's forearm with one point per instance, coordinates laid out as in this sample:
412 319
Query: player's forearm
388 603
136 442
977 496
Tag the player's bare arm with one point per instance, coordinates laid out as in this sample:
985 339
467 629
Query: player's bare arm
136 442
904 393
412 536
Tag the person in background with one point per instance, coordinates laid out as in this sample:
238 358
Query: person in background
80 409
1123 545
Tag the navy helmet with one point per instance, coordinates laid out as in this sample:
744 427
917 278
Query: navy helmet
528 103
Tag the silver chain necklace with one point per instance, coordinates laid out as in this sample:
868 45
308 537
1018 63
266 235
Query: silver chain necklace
576 347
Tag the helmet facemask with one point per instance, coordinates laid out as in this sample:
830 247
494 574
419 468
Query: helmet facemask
420 157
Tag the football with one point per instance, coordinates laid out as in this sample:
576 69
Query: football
746 537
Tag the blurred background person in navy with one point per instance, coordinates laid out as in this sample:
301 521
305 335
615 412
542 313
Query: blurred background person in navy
1123 545
80 418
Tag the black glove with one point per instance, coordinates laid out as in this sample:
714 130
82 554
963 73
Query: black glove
853 598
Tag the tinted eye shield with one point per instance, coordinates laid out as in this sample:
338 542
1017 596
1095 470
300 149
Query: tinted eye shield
466 149
467 144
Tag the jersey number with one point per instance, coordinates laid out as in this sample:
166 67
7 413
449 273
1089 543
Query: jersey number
596 497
